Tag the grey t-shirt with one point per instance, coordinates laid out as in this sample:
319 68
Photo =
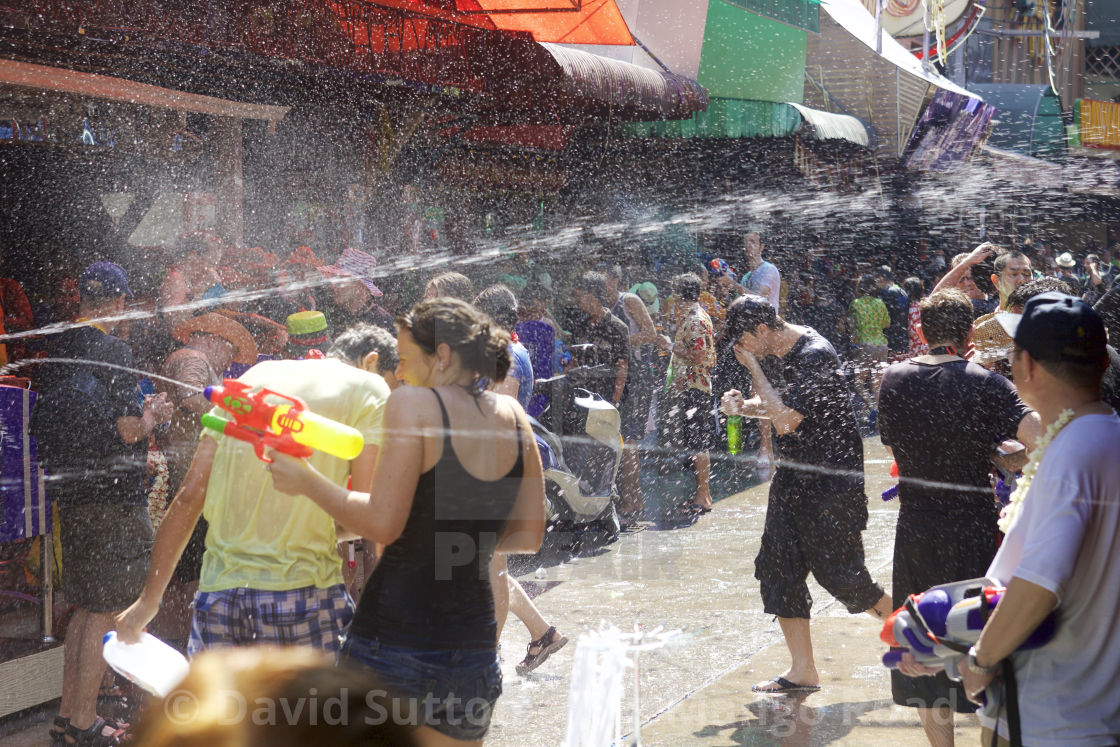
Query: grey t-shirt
1067 540
765 275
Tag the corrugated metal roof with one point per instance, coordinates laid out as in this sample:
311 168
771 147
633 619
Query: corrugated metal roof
829 126
629 86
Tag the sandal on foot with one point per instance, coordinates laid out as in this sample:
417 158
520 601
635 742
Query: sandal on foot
547 647
96 736
57 731
784 686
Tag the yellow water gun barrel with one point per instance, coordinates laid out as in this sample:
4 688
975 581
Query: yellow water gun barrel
321 434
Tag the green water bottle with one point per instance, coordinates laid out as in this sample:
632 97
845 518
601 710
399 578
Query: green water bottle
734 434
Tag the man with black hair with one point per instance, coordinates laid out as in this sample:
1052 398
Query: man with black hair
370 348
989 342
1110 381
93 433
271 571
898 307
1062 544
817 508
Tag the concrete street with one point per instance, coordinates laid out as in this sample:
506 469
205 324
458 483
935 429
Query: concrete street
700 580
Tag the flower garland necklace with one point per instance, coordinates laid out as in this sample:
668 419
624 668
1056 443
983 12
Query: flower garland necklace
1015 502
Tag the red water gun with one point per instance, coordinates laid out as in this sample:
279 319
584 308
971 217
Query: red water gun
285 425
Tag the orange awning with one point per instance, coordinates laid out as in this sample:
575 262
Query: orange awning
560 21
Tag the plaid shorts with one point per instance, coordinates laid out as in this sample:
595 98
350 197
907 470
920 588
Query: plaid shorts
245 617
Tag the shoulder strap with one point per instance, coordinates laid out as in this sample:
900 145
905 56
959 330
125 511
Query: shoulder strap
447 448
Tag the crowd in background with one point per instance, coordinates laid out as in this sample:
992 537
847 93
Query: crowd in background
655 330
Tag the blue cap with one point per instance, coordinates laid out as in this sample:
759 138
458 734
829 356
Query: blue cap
1057 327
104 280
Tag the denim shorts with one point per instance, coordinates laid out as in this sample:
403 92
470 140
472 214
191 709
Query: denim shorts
451 691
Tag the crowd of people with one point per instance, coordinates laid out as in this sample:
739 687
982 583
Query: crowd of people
173 526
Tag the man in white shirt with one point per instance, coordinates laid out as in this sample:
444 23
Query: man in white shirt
1062 549
762 279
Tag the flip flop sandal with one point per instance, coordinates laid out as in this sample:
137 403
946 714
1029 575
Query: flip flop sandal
547 648
785 686
57 731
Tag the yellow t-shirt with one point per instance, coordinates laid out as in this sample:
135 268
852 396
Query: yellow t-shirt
263 539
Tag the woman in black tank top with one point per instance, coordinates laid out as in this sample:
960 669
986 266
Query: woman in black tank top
458 478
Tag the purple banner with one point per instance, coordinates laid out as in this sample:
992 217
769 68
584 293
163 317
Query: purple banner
26 511
947 132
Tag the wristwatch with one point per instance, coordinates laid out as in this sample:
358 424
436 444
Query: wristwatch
975 666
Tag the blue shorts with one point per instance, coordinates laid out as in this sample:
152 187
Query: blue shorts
309 616
452 691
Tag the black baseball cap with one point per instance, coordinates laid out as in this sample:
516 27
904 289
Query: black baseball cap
1057 327
104 280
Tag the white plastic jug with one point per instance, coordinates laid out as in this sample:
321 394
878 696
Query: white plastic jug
151 663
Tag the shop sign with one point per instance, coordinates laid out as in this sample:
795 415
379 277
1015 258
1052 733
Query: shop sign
1099 123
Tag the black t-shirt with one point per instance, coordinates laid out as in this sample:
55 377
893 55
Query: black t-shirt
824 455
942 422
898 306
611 338
75 421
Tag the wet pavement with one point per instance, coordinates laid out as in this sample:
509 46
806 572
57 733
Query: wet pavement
699 579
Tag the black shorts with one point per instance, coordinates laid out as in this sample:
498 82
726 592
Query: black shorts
105 552
637 398
818 534
685 421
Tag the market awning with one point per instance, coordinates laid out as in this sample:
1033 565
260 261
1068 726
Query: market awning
855 18
738 118
565 21
1028 119
623 85
96 86
829 126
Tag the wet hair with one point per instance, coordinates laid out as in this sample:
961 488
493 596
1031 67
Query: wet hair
1005 256
362 339
482 347
499 303
946 317
208 708
594 283
914 288
453 285
688 286
746 313
1027 291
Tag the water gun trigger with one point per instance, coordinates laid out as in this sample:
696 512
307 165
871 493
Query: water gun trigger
285 444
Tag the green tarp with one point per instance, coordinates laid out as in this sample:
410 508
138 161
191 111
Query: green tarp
725 118
1028 119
